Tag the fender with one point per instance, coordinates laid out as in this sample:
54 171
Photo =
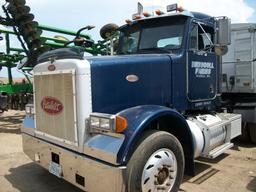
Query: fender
138 118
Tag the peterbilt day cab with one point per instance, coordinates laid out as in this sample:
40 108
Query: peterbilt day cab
135 121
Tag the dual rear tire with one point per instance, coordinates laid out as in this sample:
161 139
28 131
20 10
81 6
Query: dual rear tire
252 132
248 132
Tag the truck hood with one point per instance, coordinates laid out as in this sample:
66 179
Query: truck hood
120 82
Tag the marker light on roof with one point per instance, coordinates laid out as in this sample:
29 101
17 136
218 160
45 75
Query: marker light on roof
136 17
180 9
146 14
128 21
159 12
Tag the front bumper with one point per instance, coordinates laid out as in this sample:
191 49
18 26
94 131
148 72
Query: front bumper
97 176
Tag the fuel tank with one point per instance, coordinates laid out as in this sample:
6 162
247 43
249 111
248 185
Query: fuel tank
212 133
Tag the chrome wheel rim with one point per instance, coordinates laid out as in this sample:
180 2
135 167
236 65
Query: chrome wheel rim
160 171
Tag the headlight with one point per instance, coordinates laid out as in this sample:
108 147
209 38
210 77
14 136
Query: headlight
94 122
29 109
100 122
106 123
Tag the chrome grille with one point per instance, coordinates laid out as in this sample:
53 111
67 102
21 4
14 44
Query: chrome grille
52 120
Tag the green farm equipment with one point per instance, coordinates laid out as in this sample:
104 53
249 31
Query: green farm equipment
13 95
33 43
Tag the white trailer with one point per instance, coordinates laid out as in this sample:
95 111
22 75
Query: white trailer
239 72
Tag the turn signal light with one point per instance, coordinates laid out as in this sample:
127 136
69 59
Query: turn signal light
121 124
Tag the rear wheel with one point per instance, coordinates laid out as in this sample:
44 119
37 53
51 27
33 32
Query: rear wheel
252 130
157 164
245 136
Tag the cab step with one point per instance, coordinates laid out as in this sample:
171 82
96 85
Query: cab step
218 150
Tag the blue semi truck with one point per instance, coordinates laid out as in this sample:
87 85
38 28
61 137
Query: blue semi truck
135 121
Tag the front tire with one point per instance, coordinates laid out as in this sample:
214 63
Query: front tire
157 164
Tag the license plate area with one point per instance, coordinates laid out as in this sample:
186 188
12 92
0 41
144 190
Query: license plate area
54 166
55 169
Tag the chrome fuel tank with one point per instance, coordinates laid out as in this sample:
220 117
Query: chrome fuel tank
212 133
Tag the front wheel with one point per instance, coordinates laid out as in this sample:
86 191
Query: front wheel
157 164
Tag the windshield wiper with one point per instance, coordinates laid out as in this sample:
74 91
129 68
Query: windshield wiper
154 49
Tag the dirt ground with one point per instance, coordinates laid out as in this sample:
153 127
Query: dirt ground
234 171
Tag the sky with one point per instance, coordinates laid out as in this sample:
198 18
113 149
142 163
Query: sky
75 14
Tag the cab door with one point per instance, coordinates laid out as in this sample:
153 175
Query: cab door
201 64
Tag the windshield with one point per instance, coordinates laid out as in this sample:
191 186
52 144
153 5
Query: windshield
157 35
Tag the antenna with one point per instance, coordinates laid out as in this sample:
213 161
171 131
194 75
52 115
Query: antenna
139 11
140 8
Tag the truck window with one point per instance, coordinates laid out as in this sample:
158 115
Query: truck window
130 42
203 41
175 41
194 38
163 35
168 37
199 40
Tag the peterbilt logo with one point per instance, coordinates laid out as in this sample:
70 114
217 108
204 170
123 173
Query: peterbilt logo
51 67
51 105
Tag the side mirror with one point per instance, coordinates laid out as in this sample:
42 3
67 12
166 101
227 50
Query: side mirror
223 31
222 35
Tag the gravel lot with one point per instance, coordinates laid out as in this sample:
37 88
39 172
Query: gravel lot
234 171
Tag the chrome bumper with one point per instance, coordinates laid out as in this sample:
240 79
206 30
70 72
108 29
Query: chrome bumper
97 176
